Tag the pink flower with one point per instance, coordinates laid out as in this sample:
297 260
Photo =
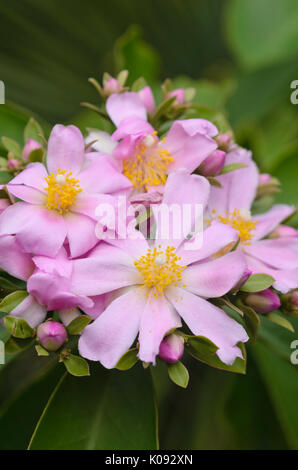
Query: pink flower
146 159
157 285
179 94
48 284
231 205
30 145
58 202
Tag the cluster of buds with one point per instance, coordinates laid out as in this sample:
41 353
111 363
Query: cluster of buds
110 85
17 159
290 303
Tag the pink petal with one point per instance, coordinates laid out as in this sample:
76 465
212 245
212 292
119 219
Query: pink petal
181 190
147 98
216 237
104 143
66 149
217 277
114 331
197 126
239 187
133 126
205 319
31 311
67 316
107 268
34 176
268 221
59 265
80 233
27 193
13 259
157 319
281 253
122 105
38 230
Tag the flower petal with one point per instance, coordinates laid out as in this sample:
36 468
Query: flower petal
34 176
217 277
157 319
80 233
122 105
114 331
207 320
104 142
13 259
269 220
31 311
280 253
27 193
66 149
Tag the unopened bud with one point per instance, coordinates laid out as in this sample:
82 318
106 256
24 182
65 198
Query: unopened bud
30 145
264 178
13 164
213 164
264 301
179 94
224 141
290 303
284 231
52 335
171 348
111 85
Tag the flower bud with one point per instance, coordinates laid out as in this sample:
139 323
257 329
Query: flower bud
111 85
284 231
171 348
52 335
290 303
179 94
213 164
264 301
224 141
30 145
264 178
13 164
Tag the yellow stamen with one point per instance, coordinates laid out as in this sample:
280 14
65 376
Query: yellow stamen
243 224
148 167
61 191
160 269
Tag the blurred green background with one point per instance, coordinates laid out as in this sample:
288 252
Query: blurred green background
241 56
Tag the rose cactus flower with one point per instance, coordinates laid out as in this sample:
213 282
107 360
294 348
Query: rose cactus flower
51 335
231 205
58 202
159 284
147 160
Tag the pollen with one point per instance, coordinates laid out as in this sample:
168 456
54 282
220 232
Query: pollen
62 191
240 221
149 165
160 268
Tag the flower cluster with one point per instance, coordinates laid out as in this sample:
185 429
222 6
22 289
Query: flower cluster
169 283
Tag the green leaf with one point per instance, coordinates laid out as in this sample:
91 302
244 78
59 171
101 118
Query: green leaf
41 351
11 301
257 282
8 282
78 324
128 360
36 155
5 177
280 320
18 327
204 350
251 318
178 374
34 131
16 345
76 366
214 182
109 410
139 84
12 146
232 167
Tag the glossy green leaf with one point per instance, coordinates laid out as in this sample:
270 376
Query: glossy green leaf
18 327
280 320
109 410
41 351
257 282
76 366
36 155
78 324
11 301
128 360
178 374
5 177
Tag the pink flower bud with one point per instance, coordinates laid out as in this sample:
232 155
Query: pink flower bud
290 303
179 94
30 145
224 141
111 86
52 335
13 164
284 231
263 302
264 178
213 164
171 348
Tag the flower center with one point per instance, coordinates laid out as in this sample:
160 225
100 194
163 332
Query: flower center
241 221
160 269
148 167
61 191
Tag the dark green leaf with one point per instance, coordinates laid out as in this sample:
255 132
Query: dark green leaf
12 146
18 327
257 282
178 374
78 324
11 301
33 131
76 366
128 360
